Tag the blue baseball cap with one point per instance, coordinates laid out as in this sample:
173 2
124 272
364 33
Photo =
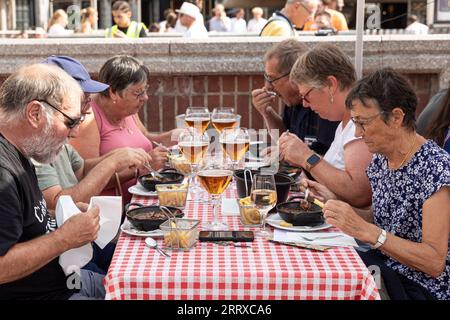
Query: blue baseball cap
78 72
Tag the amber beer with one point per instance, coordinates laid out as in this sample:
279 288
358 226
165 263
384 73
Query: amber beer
200 123
193 150
235 149
221 124
215 181
264 199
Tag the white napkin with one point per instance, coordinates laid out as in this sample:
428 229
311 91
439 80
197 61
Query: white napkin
339 239
230 207
74 259
110 214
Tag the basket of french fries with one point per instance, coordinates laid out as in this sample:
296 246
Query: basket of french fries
179 233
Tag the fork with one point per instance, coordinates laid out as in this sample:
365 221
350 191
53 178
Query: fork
328 237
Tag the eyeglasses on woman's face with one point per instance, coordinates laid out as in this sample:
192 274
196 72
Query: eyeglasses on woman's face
69 122
138 95
362 123
304 97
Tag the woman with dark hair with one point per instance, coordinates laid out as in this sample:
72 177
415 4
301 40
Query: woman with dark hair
439 128
115 122
408 225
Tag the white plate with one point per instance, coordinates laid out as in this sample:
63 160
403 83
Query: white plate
275 219
128 228
139 190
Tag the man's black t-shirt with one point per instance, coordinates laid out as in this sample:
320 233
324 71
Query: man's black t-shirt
305 123
23 217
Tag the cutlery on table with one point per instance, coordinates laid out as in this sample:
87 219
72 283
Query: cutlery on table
151 243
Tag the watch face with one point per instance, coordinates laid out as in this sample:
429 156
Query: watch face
313 159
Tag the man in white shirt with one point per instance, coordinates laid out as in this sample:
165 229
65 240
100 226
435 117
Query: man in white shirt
415 27
220 22
188 15
256 24
238 24
199 20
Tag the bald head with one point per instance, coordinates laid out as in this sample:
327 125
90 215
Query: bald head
36 82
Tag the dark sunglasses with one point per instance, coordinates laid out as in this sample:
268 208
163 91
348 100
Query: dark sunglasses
269 80
70 122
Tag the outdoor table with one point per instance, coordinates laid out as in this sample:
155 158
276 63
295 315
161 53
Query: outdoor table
209 271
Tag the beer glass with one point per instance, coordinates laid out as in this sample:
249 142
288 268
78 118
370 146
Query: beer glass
197 117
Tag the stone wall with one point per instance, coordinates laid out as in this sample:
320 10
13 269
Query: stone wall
222 72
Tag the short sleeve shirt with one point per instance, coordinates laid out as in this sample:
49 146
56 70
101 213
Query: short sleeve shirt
343 136
23 217
397 199
309 127
60 172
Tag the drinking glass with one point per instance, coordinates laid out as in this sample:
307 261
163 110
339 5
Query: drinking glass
235 143
198 117
215 178
264 196
193 144
224 117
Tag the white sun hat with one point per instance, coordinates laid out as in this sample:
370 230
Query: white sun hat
189 9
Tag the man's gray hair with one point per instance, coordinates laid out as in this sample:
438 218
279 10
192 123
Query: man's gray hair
303 1
35 82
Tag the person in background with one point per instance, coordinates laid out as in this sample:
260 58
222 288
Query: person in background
125 27
39 111
89 18
408 225
154 27
162 24
171 22
220 22
322 21
438 126
297 118
58 23
415 27
256 24
188 13
199 20
238 24
293 16
324 75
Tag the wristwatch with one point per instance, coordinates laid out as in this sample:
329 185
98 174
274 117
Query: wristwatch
381 240
312 161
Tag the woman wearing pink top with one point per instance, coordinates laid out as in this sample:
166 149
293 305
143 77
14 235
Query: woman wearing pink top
114 122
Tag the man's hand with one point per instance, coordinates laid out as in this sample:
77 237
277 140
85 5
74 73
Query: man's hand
263 100
81 228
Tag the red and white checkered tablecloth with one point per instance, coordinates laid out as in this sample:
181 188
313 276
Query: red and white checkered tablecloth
208 271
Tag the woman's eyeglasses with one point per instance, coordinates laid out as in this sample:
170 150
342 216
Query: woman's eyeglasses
70 122
360 123
304 97
141 94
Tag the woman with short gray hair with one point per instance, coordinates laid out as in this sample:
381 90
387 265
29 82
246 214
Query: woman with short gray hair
324 76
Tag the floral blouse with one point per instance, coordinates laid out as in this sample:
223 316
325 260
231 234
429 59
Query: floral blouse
397 200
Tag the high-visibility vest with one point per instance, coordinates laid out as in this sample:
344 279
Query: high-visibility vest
133 31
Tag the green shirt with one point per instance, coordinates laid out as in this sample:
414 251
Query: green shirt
60 172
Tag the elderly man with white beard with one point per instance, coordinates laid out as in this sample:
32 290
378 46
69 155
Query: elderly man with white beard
39 111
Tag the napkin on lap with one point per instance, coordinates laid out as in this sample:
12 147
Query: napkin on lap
74 259
110 214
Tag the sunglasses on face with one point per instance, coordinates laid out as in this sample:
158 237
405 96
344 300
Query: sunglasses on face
69 122
271 81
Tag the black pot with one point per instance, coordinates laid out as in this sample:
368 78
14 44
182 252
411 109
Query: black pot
291 212
291 171
149 182
283 183
148 224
